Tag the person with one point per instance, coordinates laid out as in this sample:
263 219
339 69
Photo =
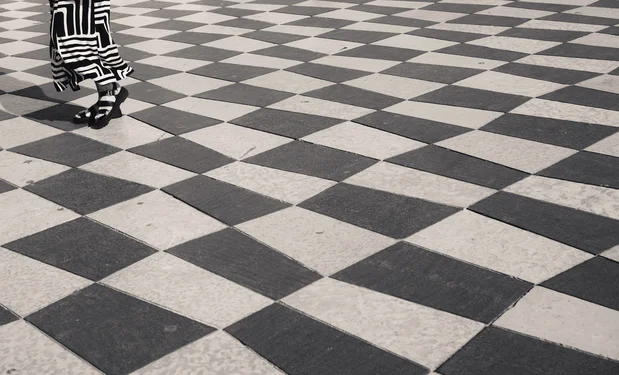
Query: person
81 48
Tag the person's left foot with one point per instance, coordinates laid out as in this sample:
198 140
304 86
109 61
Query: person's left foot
108 107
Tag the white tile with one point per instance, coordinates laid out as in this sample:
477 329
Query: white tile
400 87
236 141
159 46
422 334
358 63
313 106
514 44
27 285
216 354
566 111
595 199
418 184
566 320
275 18
282 185
23 213
517 153
434 58
557 25
430 15
192 7
19 34
501 247
596 12
289 82
29 351
158 219
598 39
177 62
23 170
350 15
468 117
145 32
217 29
325 4
19 5
608 146
320 242
125 132
298 30
136 168
138 21
261 61
608 83
419 43
205 17
211 108
21 80
572 63
189 84
136 11
509 84
258 7
363 140
239 44
515 12
187 289
20 105
323 45
20 63
465 28
18 131
17 24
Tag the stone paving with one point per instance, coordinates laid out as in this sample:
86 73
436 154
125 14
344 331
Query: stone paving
317 187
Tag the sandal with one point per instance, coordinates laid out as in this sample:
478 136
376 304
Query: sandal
107 108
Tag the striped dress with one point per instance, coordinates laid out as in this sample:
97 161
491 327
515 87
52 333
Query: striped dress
81 45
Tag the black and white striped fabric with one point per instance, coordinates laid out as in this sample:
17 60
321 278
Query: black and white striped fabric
81 46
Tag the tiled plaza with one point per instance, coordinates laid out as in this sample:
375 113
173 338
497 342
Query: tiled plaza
309 187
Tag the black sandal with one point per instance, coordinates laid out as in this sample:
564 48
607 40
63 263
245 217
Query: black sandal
107 108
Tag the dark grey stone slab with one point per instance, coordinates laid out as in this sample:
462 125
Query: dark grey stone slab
376 9
582 51
6 316
610 31
358 36
487 20
203 53
541 6
226 202
588 168
66 148
125 39
304 11
327 73
596 280
393 215
402 21
82 247
313 160
452 36
482 52
245 261
546 73
234 12
175 25
372 51
115 332
150 93
354 96
6 115
576 135
580 229
58 116
48 93
273 37
585 97
169 13
456 8
5 186
246 94
172 120
579 18
473 98
429 72
245 23
323 22
300 345
562 36
145 72
290 53
183 153
132 54
191 37
411 273
231 72
289 124
497 351
85 192
605 4
462 167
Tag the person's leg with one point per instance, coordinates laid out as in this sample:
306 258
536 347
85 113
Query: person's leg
111 96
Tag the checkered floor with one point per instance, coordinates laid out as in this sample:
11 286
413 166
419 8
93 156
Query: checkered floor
317 187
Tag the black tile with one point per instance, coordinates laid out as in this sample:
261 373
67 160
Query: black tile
456 8
473 98
82 247
237 257
67 148
231 72
183 153
273 37
132 54
245 23
393 215
605 4
411 127
58 116
151 93
482 52
452 36
414 274
358 36
497 351
610 31
48 93
233 12
372 51
246 94
429 72
289 124
327 73
6 115
354 96
578 18
300 345
6 316
462 167
562 36
540 6
585 97
313 160
290 53
582 51
126 39
402 21
570 134
5 186
588 168
175 25
115 332
546 73
172 120
203 53
226 202
144 72
191 37
85 192
304 11
155 4
376 9
596 280
169 14
486 20
39 54
317 21
580 229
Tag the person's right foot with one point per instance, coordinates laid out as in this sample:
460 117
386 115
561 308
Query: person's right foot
108 107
